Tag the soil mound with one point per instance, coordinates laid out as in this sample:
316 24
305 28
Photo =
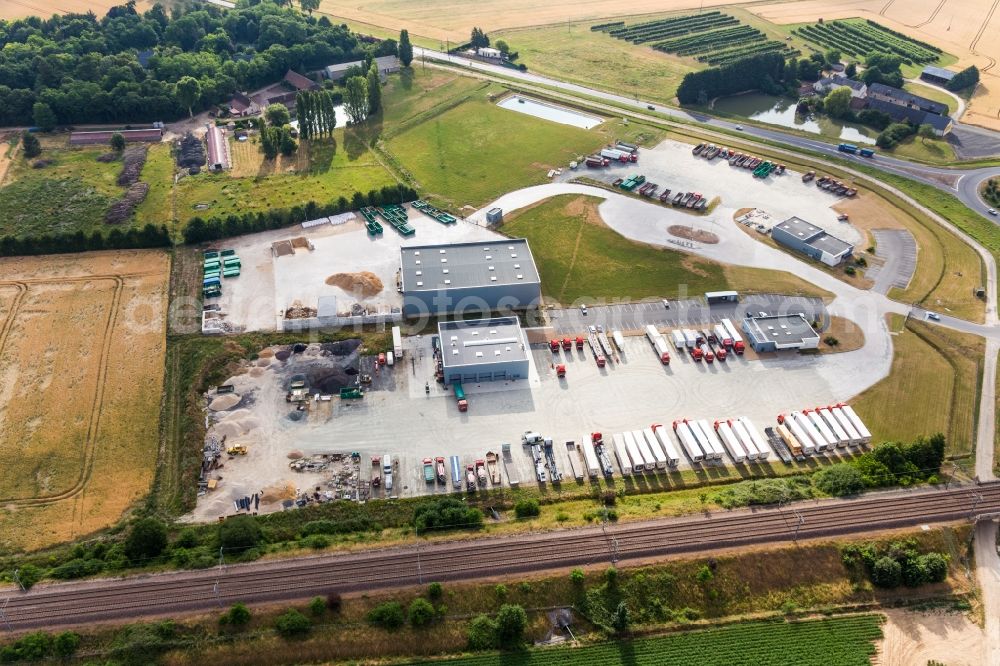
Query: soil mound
365 283
342 347
330 380
698 235
224 402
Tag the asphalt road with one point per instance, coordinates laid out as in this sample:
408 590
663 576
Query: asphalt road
963 183
67 604
899 251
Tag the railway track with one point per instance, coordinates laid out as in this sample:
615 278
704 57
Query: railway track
67 604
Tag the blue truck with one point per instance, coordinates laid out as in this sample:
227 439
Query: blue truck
866 152
848 148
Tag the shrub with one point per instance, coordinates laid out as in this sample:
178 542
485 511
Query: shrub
237 616
146 540
446 513
839 480
77 568
239 533
316 542
28 575
831 341
577 577
482 633
611 576
435 591
511 623
887 572
501 591
850 270
334 601
65 644
562 517
421 612
292 623
317 606
388 615
188 538
935 567
527 508
704 575
30 146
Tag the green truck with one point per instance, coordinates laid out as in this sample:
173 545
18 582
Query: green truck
351 393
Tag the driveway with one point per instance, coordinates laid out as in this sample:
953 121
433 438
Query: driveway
899 251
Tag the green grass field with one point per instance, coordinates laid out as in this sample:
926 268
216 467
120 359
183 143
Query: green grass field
933 386
845 641
71 194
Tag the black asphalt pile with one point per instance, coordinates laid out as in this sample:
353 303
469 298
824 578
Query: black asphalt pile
282 354
330 380
341 348
191 152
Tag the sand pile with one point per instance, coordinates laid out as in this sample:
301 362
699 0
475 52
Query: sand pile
256 372
278 492
699 235
365 283
225 401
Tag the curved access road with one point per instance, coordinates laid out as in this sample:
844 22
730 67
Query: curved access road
89 602
962 183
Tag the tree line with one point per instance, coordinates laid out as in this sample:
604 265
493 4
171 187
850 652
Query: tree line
148 236
315 113
763 72
78 68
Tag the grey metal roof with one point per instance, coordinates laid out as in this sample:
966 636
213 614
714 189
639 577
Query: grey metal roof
503 261
908 98
939 72
814 237
383 62
481 341
783 329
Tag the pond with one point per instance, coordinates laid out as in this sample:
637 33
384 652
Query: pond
781 111
546 111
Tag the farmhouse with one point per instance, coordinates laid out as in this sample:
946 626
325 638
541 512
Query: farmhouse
468 277
797 234
386 65
483 350
487 52
299 82
777 332
825 85
152 135
941 123
937 75
242 105
900 97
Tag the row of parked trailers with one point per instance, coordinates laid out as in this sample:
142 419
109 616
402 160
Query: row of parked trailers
621 152
739 437
822 429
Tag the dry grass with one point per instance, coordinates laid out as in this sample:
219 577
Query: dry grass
80 412
933 386
750 280
14 9
849 336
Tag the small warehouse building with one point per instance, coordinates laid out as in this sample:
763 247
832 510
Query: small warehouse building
483 350
778 332
937 75
797 234
386 65
89 138
483 276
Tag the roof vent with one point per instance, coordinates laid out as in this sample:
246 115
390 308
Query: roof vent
417 262
520 277
419 272
517 265
479 354
510 247
492 268
513 255
447 281
493 278
444 270
454 352
419 283
441 251
496 353
493 331
444 260
416 253
488 257
454 338
475 332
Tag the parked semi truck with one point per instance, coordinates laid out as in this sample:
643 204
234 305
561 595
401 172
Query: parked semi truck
730 441
847 425
759 441
817 438
859 425
463 404
790 440
654 445
632 448
659 344
397 342
843 439
673 456
678 338
689 443
591 464
648 459
738 346
801 437
621 453
740 431
723 337
713 439
820 425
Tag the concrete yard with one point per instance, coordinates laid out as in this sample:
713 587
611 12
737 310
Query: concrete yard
268 285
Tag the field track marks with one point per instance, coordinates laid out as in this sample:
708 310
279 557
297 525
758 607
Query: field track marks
886 7
15 305
95 412
982 28
932 16
572 261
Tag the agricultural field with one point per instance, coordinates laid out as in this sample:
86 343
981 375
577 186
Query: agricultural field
13 9
933 387
846 641
579 257
860 39
79 430
711 38
73 192
465 151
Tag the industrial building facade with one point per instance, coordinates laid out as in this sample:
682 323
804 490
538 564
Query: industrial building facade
777 332
480 277
797 234
483 350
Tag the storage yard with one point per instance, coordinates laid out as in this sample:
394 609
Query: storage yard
315 422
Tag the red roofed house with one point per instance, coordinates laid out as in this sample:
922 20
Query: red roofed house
300 82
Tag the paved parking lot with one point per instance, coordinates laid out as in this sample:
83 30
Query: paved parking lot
690 312
899 250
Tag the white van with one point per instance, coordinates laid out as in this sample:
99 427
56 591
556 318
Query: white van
387 471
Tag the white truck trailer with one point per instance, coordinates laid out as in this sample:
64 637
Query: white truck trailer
803 438
759 442
654 445
690 338
734 332
648 459
859 425
834 425
729 440
621 453
632 446
590 462
723 336
619 340
807 425
820 425
659 344
713 439
673 455
397 342
847 425
745 439
678 338
688 441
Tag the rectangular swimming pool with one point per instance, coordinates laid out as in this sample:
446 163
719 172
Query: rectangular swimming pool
547 111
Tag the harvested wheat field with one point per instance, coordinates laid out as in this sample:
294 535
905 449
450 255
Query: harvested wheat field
12 9
963 28
82 342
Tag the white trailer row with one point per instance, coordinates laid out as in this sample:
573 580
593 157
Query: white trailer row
738 437
645 450
825 429
733 332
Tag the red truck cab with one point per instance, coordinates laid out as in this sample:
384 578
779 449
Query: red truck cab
567 344
554 346
579 343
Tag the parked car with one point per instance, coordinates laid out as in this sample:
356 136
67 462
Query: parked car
583 309
991 211
666 303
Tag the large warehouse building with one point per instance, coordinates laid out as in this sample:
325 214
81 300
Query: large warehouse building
483 350
468 277
777 332
800 235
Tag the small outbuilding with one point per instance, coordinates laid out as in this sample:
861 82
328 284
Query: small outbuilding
797 234
937 75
